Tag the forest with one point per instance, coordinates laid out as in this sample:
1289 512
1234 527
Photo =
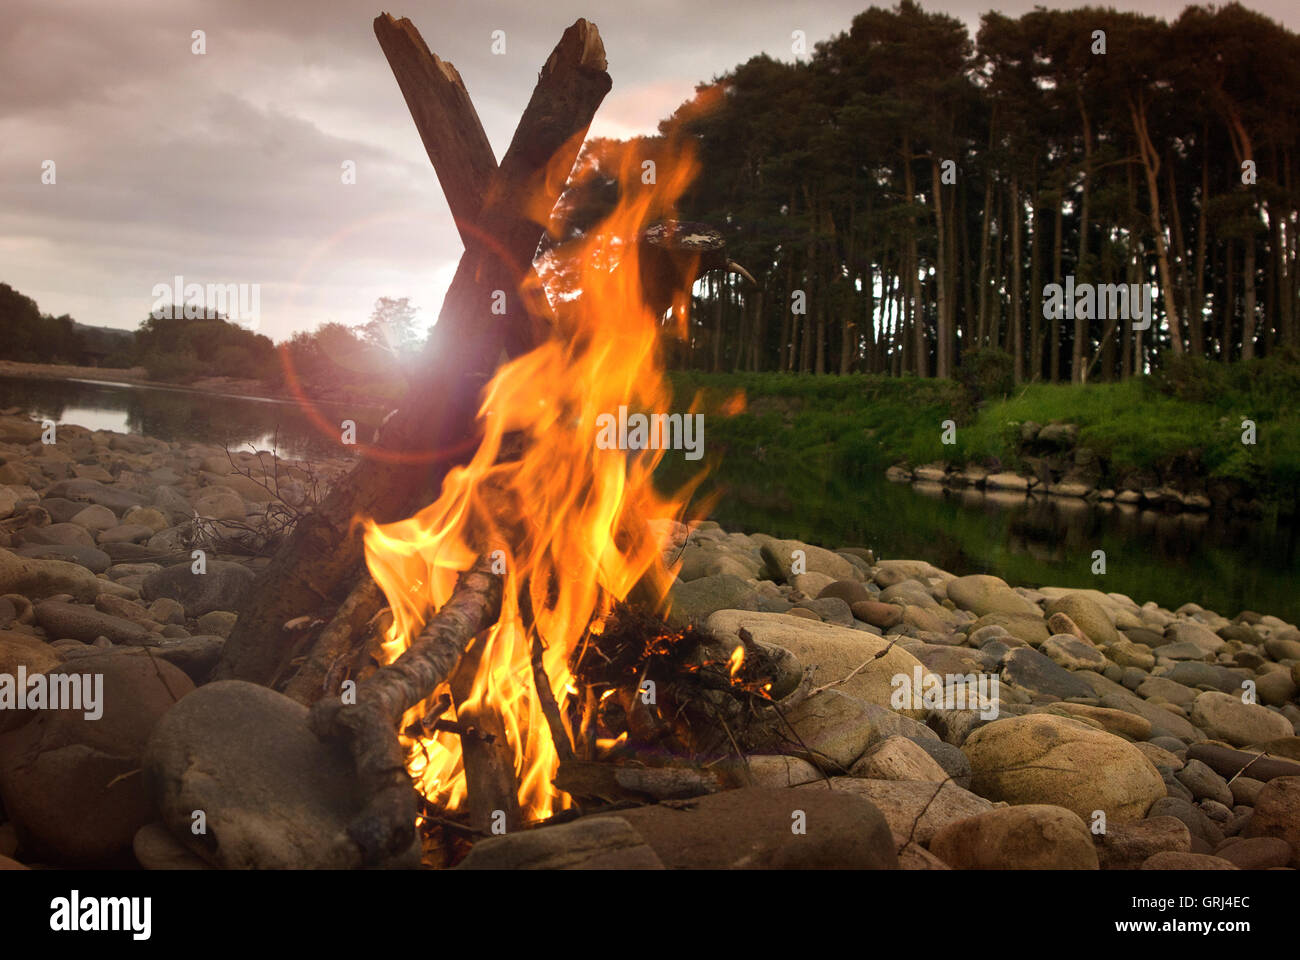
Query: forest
904 194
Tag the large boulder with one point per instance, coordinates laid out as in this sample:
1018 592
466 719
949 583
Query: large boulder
273 795
1089 615
71 782
222 587
1277 814
835 652
1030 837
1043 758
1225 717
982 594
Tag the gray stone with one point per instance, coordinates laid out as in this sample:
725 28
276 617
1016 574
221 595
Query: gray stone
59 534
1197 822
830 610
70 620
274 795
1204 783
222 587
72 782
1038 674
92 491
694 601
1224 717
1194 674
96 561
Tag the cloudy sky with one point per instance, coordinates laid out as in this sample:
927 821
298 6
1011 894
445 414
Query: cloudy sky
225 167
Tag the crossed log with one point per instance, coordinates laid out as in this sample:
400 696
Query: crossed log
498 212
435 424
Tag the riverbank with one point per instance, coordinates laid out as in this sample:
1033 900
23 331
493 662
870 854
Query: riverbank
222 386
1203 436
1111 701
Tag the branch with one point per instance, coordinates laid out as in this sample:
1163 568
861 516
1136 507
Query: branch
386 824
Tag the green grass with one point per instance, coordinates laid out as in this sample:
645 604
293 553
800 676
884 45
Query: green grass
1184 422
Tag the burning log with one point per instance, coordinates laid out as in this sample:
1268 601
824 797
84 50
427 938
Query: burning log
336 642
485 751
386 824
435 426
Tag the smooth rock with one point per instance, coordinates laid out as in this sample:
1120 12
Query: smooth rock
72 783
1089 615
78 622
591 843
898 758
1186 861
35 578
275 796
912 808
222 587
1042 758
1029 837
1126 846
750 828
1224 717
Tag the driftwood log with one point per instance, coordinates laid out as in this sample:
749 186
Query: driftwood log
386 824
435 426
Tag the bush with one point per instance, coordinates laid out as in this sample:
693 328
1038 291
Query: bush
987 373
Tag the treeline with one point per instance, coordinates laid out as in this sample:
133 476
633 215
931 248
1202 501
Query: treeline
373 359
29 336
918 190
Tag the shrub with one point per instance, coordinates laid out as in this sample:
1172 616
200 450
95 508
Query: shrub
986 373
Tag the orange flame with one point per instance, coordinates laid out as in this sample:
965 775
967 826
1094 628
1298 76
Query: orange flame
570 520
736 660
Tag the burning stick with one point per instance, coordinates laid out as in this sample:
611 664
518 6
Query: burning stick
337 639
487 754
386 824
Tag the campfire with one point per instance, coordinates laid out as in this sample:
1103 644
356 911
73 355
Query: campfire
522 662
563 522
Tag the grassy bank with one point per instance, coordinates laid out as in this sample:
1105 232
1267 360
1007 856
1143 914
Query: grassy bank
1183 424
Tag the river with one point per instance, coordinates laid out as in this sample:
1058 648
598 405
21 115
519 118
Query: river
1225 564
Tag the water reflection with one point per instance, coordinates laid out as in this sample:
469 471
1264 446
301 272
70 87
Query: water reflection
1225 563
178 414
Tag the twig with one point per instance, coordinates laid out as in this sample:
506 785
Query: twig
546 699
856 670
